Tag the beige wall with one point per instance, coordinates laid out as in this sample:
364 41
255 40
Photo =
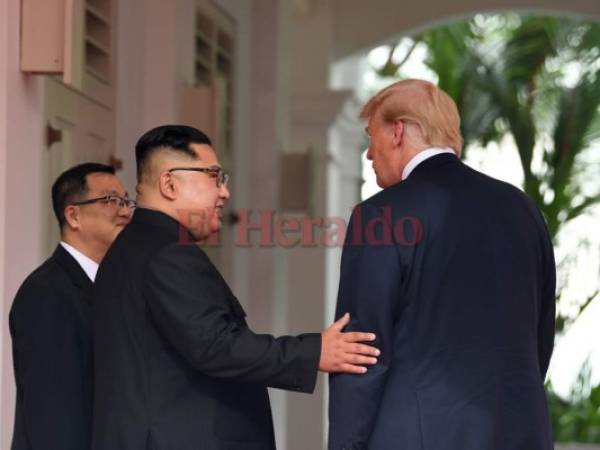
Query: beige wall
361 25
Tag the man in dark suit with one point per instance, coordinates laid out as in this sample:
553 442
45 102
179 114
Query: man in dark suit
50 321
176 366
454 272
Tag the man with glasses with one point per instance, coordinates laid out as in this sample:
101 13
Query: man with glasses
176 365
50 320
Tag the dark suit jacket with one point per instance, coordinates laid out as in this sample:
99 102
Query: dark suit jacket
51 332
177 366
463 304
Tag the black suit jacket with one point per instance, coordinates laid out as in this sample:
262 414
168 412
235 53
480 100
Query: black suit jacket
50 326
177 367
455 274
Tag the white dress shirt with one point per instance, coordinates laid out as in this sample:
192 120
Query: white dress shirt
422 156
89 266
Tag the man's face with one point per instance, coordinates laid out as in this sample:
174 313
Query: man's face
200 201
386 156
101 222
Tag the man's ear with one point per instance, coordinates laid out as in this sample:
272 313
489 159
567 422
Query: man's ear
167 186
72 217
398 132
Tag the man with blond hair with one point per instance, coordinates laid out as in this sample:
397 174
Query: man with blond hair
454 272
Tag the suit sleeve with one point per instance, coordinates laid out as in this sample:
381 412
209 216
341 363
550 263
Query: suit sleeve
547 319
191 306
368 290
48 371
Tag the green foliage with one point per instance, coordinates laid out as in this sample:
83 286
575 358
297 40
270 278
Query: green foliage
577 419
507 74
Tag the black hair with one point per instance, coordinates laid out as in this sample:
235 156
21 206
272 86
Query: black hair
172 137
71 186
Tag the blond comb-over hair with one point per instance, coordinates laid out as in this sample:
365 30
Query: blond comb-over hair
422 103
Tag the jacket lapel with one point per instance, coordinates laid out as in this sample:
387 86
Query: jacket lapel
73 269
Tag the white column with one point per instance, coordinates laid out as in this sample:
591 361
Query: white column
314 108
307 276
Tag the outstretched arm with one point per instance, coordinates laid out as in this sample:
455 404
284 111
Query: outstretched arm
195 310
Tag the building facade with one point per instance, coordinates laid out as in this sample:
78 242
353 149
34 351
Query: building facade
256 74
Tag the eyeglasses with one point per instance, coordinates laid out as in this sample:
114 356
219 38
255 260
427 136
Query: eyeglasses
221 177
112 200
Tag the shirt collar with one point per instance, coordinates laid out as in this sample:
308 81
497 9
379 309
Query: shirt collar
422 156
89 266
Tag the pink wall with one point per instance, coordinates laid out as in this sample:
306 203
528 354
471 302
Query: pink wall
129 89
160 63
148 71
146 89
21 189
4 398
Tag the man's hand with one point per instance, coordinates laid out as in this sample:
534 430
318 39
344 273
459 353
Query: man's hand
343 352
